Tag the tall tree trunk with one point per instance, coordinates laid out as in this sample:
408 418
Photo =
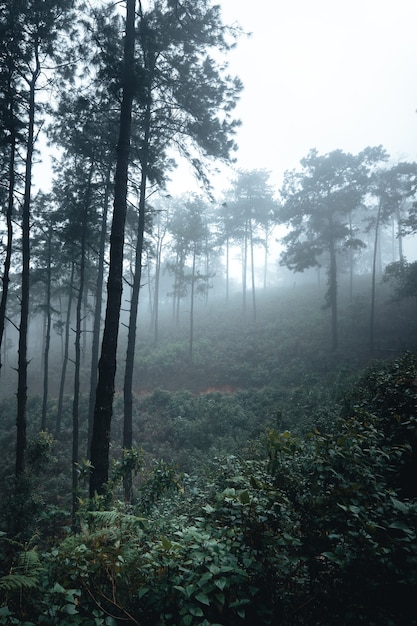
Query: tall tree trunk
76 396
227 268
191 339
252 262
24 301
97 311
333 295
9 225
266 258
151 296
100 441
179 285
66 352
207 268
400 236
156 291
244 266
133 314
351 259
176 289
373 286
78 335
47 331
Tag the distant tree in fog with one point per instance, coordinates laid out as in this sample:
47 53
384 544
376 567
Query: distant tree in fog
402 276
391 188
318 203
247 213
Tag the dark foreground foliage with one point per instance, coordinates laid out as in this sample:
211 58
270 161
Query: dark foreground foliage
311 529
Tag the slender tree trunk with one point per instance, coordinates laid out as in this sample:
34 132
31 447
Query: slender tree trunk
373 287
24 302
175 287
156 291
66 352
79 332
97 311
191 339
393 242
351 259
333 295
100 442
84 316
133 314
47 331
207 269
400 237
76 396
245 266
151 297
179 282
227 269
252 261
9 245
266 259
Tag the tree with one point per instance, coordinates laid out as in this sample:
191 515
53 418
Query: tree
46 265
317 204
37 29
252 205
100 441
391 188
403 277
84 126
10 127
160 221
196 236
225 237
183 92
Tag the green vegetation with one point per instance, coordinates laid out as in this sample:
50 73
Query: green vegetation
277 487
231 455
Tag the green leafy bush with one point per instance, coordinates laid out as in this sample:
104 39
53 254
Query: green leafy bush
319 529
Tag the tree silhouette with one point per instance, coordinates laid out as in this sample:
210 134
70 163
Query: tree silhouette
317 204
100 441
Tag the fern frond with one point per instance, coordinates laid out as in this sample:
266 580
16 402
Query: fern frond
12 583
117 519
24 575
28 561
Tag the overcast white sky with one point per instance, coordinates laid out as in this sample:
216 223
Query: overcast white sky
324 74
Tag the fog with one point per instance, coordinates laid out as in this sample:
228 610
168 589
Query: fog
324 75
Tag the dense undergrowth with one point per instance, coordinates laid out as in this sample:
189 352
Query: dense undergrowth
283 492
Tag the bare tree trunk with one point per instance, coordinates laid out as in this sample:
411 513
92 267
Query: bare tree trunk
78 335
24 302
266 259
9 245
66 353
47 332
373 287
244 266
156 290
252 261
400 236
227 269
100 441
333 295
131 338
97 312
191 339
